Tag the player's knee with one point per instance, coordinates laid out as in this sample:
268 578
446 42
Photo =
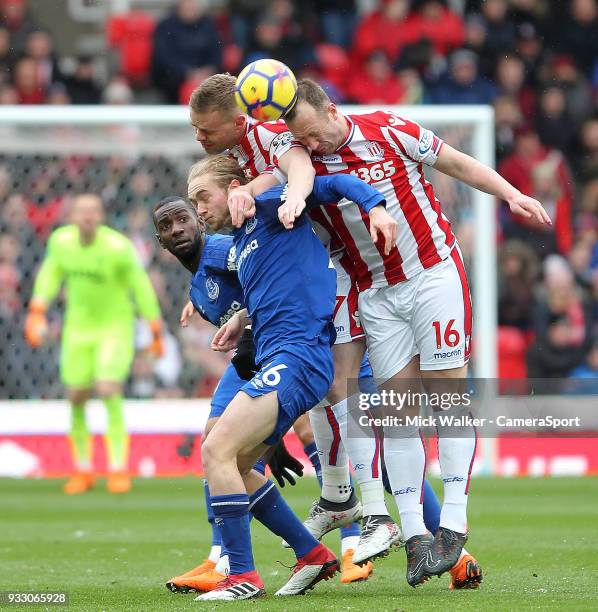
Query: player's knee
78 396
214 452
108 388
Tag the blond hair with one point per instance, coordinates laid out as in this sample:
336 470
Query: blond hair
221 168
217 92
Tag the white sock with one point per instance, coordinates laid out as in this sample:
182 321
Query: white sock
214 555
336 481
405 459
222 566
349 543
372 497
456 459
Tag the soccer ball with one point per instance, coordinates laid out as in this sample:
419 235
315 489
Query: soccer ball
266 90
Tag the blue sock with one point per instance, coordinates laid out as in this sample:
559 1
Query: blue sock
312 454
431 508
232 517
350 530
216 537
270 509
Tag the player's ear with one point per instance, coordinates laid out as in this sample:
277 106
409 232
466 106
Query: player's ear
332 110
159 240
234 184
240 120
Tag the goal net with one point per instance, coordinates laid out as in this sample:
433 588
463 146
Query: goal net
132 157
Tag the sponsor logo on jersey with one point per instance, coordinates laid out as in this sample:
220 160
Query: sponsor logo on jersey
374 151
250 224
234 308
425 141
328 159
251 246
447 354
213 288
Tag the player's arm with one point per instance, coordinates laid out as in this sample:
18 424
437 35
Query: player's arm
47 285
228 336
331 189
145 297
296 164
472 172
241 201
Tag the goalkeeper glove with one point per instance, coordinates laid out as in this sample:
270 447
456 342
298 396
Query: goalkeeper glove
284 465
36 324
156 348
244 357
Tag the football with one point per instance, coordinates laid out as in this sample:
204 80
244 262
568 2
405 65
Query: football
266 89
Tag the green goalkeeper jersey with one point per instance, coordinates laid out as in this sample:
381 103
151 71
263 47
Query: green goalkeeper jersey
103 280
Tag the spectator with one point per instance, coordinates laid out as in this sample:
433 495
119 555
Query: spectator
8 95
500 28
186 46
15 16
117 91
518 268
553 123
39 47
562 321
441 26
510 80
586 375
338 19
271 40
27 82
575 86
586 158
578 36
529 47
82 85
5 56
376 84
463 84
386 29
507 120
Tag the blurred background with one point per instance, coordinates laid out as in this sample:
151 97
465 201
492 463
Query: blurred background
534 61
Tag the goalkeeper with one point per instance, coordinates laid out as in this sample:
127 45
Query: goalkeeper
103 282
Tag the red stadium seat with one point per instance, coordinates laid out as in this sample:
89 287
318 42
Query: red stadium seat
132 35
512 346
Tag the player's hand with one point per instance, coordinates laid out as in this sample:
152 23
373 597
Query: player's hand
36 324
290 210
156 348
381 223
241 205
244 358
528 207
228 336
186 314
284 466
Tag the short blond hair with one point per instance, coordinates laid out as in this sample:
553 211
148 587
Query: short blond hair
217 92
222 168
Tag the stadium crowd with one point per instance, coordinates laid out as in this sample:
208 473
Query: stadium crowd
535 61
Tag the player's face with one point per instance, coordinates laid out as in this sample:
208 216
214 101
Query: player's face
217 131
210 200
178 229
322 132
87 213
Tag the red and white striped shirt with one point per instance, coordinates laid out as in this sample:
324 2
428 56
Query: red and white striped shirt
262 145
388 152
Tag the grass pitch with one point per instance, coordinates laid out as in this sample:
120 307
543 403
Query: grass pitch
537 541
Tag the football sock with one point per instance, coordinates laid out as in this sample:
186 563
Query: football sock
336 483
116 437
350 531
270 509
455 455
80 439
363 449
232 517
311 451
349 543
216 536
431 508
405 459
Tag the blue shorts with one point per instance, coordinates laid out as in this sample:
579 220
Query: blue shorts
301 375
230 384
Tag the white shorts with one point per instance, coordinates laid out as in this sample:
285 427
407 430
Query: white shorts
429 315
346 311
